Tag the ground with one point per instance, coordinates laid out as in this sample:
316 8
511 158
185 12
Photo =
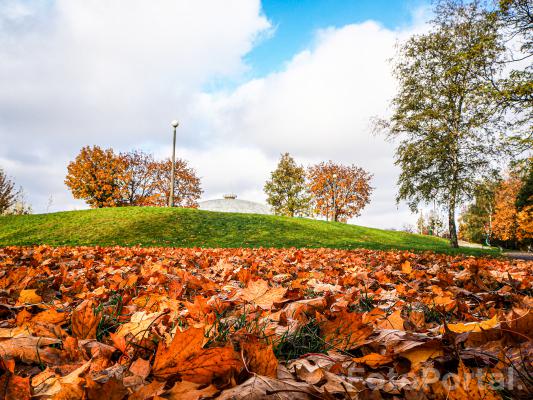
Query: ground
164 227
117 323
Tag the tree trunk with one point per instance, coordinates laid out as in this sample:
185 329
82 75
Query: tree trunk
451 225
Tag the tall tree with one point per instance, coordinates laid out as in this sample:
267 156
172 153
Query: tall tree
187 189
339 191
97 176
286 189
442 115
8 194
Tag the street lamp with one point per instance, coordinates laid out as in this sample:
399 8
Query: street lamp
174 124
334 176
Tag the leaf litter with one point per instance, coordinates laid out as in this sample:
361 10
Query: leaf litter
164 323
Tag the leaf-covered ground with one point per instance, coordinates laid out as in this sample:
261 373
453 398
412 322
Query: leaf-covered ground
139 323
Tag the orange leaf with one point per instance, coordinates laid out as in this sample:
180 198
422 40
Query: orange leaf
259 293
373 360
346 331
84 321
260 358
29 296
186 359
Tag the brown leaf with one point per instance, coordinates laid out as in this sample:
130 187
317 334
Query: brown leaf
140 367
373 360
185 358
265 388
346 331
30 349
154 388
259 293
185 390
260 357
84 321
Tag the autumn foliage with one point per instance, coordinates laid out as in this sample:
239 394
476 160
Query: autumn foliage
116 323
105 179
339 191
510 224
97 176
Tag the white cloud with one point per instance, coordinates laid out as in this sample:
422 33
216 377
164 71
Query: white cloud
319 108
78 72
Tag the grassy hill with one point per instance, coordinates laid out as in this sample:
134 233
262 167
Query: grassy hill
194 228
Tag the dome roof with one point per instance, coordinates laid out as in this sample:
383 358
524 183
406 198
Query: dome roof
230 204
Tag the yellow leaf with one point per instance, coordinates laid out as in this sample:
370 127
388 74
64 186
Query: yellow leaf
474 326
29 296
421 354
406 267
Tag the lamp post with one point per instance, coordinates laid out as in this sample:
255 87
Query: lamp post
175 124
334 176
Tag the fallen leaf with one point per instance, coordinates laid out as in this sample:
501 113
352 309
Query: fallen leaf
474 326
29 296
373 360
186 390
85 321
14 387
186 359
260 358
259 293
346 331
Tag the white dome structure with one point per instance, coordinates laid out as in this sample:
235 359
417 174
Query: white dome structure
230 204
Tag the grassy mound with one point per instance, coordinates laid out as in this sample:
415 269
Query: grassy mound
165 227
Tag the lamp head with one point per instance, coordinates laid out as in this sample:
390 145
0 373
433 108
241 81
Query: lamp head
175 123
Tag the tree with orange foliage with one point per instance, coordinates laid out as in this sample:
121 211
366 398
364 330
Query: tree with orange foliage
141 184
511 225
187 189
339 191
97 176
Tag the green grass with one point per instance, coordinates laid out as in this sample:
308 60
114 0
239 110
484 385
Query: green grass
163 227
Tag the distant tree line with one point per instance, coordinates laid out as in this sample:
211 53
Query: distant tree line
501 212
335 191
105 179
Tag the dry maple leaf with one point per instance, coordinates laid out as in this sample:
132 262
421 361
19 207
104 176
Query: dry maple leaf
346 331
85 321
138 326
265 388
186 390
259 357
185 358
29 296
30 349
259 293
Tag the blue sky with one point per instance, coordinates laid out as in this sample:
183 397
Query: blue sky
296 21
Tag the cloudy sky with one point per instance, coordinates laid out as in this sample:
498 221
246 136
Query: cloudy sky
247 80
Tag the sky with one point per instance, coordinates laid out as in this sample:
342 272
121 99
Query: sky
247 80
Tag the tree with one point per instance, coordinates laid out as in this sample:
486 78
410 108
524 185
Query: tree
141 184
514 91
187 189
97 176
475 222
442 115
286 189
339 191
511 226
8 194
524 197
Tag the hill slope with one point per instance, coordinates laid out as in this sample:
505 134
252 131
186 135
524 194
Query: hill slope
161 227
